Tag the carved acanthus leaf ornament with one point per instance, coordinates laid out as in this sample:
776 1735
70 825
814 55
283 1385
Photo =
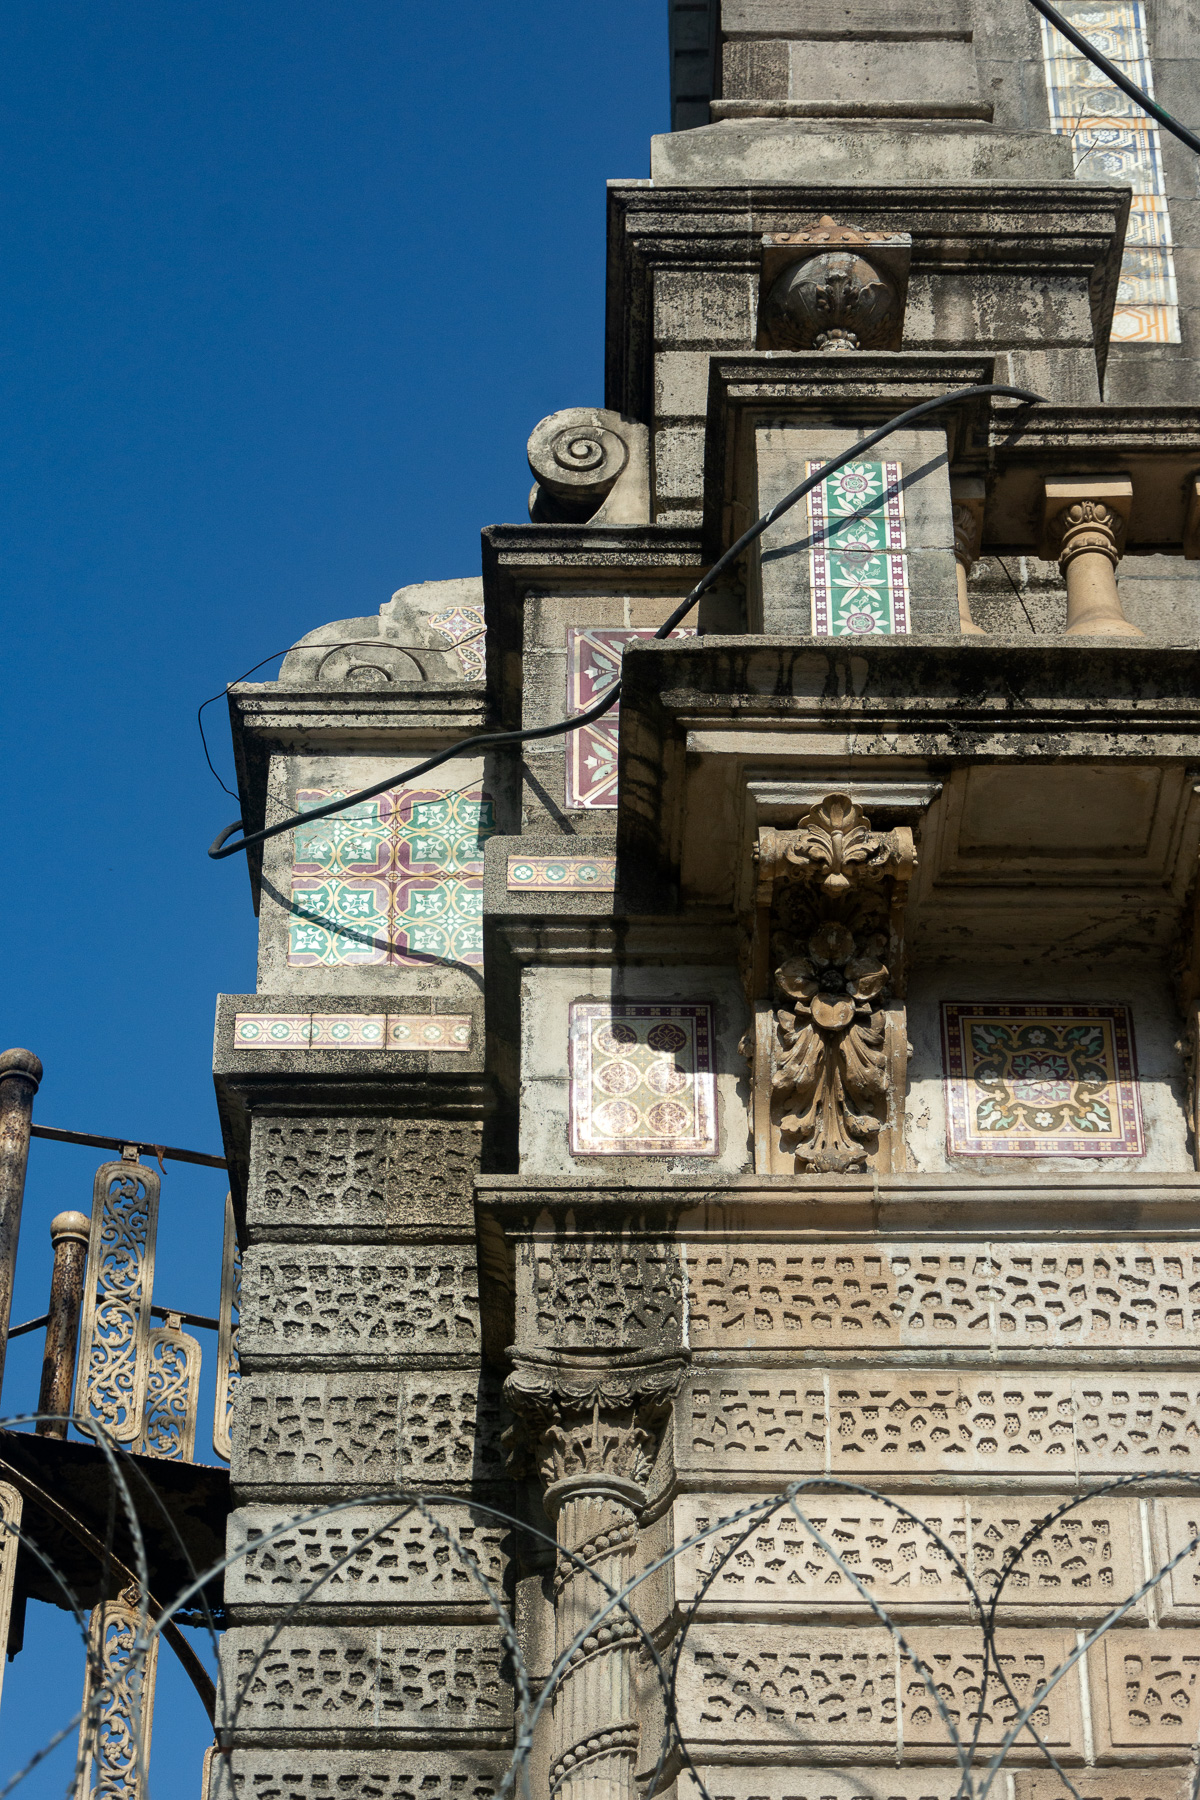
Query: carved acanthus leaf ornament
589 1424
836 889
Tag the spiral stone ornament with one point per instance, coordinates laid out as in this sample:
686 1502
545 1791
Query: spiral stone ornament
584 458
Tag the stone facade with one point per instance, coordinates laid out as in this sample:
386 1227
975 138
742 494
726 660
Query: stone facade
746 1147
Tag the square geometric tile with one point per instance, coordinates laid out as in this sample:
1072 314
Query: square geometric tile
857 562
352 1031
570 874
348 1031
429 1031
642 1080
465 628
272 1031
593 665
396 880
1040 1079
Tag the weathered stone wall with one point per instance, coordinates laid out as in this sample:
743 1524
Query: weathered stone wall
360 1643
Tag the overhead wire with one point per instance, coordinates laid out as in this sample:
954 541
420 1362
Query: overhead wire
490 740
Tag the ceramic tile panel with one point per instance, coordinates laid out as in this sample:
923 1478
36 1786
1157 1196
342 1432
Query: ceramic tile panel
593 665
464 628
396 880
642 1079
562 874
272 1031
858 567
348 1031
1115 141
429 1031
1040 1079
352 1031
1027 1296
1145 1693
954 1660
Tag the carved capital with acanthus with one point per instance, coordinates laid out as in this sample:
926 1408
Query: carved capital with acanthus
834 847
594 1429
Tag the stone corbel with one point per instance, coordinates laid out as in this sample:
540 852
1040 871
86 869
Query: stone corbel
1084 523
592 1436
833 287
966 500
831 1046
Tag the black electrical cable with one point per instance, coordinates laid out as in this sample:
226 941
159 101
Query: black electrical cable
221 847
1117 76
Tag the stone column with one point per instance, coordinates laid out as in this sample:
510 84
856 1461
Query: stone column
593 1450
967 497
1085 521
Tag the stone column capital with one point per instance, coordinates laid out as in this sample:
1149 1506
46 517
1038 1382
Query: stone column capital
1085 512
590 1431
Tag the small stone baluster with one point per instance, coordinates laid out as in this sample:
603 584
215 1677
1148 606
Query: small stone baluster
967 497
1086 518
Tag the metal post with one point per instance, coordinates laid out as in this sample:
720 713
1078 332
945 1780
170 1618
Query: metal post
69 1233
20 1074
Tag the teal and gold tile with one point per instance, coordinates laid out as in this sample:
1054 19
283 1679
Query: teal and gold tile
1040 1079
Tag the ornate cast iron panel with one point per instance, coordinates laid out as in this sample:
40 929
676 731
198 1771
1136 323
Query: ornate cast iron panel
172 1393
10 1524
115 1331
228 1360
118 1703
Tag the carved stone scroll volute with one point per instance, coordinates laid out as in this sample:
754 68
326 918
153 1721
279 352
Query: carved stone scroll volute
831 1047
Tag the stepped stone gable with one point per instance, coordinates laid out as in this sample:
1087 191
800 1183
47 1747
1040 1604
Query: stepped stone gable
743 1151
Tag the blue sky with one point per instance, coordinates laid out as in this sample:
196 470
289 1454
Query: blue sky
283 289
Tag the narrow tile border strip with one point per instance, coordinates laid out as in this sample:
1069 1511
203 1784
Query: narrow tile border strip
562 874
449 1032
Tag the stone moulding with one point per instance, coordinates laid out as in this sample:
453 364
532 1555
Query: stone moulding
829 1055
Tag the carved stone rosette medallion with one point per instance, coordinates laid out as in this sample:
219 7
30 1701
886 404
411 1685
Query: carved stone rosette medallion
830 1052
592 1437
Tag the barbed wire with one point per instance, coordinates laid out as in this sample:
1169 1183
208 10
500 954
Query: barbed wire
122 1690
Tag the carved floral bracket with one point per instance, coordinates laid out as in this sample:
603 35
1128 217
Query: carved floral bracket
830 1047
